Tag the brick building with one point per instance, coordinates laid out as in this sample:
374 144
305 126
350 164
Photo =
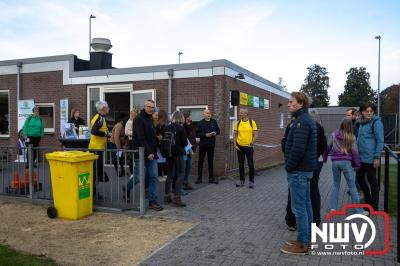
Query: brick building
194 86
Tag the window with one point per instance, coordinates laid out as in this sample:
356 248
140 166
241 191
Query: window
94 97
232 119
46 112
139 97
196 112
4 114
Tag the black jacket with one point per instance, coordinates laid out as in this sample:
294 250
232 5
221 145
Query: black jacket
144 134
191 135
205 127
180 140
322 144
77 122
301 143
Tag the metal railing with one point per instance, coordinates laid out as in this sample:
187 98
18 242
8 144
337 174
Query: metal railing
391 154
29 176
232 163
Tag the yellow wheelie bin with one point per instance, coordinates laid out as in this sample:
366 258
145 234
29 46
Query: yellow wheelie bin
72 184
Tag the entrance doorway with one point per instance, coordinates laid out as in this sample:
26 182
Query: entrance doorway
119 103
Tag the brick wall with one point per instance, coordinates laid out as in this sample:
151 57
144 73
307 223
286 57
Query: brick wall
212 91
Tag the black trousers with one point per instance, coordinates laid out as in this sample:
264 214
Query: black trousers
162 169
210 158
370 190
246 152
315 198
98 168
34 141
175 175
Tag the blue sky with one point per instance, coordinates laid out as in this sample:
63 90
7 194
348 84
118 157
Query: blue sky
271 38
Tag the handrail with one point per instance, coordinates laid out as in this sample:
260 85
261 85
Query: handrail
389 153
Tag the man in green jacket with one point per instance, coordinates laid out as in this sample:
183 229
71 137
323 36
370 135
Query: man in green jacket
33 130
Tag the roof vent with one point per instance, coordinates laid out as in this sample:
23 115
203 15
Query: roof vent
101 44
100 58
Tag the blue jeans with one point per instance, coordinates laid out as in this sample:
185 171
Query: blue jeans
188 168
337 168
151 181
299 185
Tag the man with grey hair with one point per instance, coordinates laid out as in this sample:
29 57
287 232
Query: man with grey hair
98 140
244 136
207 130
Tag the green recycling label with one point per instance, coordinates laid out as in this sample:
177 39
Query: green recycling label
83 186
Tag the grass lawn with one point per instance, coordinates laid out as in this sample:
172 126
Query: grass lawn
9 256
392 187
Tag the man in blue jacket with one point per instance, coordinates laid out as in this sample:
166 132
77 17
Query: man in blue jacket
370 145
300 162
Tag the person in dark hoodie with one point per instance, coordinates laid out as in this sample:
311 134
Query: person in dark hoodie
300 162
144 135
206 131
370 145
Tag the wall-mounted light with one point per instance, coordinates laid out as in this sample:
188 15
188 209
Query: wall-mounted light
239 76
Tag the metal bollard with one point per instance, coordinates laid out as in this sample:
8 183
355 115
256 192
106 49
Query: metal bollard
141 182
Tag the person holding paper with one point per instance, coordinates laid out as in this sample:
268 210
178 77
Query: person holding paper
175 163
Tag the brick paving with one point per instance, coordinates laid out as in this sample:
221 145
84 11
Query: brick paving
239 226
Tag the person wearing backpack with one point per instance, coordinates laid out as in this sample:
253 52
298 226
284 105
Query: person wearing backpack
207 130
175 160
345 157
370 145
34 131
244 135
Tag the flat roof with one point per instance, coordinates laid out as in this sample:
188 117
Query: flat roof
142 69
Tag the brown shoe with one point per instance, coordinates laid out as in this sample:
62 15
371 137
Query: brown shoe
155 206
177 201
296 242
296 248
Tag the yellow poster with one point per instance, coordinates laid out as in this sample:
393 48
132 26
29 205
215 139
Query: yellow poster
243 98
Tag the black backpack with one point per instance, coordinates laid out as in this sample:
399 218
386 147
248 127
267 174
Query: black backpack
251 123
168 141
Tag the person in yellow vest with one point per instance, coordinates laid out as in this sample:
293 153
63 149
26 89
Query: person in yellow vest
244 136
98 139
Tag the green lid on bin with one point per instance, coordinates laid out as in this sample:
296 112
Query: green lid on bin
71 156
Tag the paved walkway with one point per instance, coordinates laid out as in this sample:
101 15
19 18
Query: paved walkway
239 226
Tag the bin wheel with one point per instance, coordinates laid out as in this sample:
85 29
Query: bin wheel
51 212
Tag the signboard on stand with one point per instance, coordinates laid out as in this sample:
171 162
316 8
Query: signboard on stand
24 111
63 115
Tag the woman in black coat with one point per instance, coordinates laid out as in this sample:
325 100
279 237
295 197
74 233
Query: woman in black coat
176 162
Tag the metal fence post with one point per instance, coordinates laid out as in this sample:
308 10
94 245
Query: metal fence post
386 191
30 167
141 181
398 208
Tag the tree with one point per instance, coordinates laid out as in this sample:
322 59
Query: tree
390 99
316 85
357 90
282 84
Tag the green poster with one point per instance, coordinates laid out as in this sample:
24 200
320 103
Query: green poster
83 186
261 103
250 100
